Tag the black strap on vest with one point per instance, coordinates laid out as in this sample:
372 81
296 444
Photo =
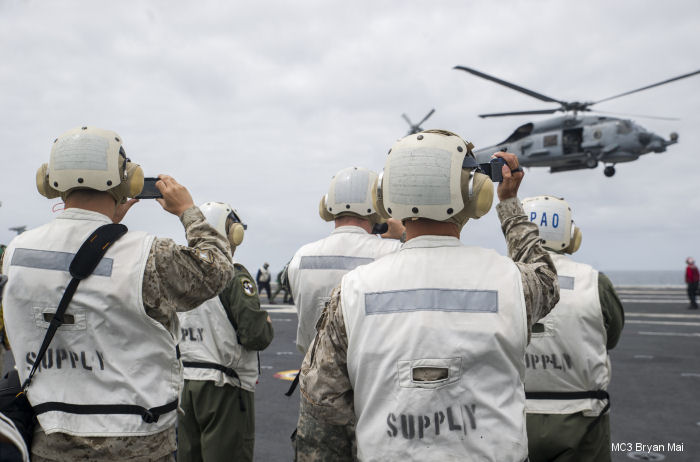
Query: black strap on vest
294 384
83 264
226 370
593 394
148 415
202 365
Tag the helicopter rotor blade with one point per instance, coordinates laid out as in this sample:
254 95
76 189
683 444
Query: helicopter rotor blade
649 86
637 115
408 121
501 114
425 118
509 85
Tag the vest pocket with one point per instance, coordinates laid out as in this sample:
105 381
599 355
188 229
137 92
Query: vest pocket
429 373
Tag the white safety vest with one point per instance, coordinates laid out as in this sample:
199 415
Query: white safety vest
459 311
209 339
571 354
318 267
109 351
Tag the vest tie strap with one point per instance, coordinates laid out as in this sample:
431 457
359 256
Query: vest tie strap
148 415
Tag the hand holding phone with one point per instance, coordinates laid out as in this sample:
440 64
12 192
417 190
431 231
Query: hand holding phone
149 190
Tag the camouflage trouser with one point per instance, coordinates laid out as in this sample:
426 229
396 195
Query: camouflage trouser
564 438
168 458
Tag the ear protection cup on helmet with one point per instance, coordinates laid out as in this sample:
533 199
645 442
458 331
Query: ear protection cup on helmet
479 197
576 237
131 185
323 211
42 183
235 234
378 199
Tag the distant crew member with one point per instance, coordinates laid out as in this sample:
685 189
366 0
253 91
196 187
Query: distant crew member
692 276
567 367
425 347
262 279
109 386
317 268
219 345
282 287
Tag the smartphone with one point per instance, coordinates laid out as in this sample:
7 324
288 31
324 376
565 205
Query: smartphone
149 190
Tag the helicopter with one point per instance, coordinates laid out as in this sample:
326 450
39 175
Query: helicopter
572 142
415 128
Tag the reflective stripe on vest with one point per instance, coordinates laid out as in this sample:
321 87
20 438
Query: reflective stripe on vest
318 267
436 336
102 344
568 356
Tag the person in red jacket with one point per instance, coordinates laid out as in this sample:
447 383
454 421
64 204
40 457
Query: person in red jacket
692 276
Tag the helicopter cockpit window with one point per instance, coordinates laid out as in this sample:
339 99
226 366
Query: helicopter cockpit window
520 132
624 127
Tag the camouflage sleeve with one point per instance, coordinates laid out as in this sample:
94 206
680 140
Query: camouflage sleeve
179 278
242 304
613 313
327 410
539 276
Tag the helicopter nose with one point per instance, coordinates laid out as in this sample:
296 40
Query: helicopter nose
644 138
656 144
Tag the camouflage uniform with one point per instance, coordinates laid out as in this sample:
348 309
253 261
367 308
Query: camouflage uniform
327 396
176 278
219 421
565 437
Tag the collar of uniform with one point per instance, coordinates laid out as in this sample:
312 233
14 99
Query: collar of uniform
428 241
349 229
82 214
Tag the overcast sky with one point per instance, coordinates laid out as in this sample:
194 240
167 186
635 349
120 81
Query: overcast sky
260 103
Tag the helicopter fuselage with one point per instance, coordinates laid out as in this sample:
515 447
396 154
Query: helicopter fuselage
577 142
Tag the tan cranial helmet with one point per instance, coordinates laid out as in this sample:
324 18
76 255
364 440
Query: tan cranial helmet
432 174
89 158
224 218
552 216
350 193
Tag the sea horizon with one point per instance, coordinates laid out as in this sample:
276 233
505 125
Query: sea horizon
647 278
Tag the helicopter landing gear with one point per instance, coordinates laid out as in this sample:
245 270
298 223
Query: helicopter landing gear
591 161
609 171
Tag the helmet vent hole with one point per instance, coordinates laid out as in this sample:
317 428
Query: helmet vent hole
347 206
459 148
369 210
117 139
109 182
420 137
330 209
80 180
55 183
449 211
84 128
414 210
389 210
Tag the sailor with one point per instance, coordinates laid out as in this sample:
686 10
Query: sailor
567 364
107 388
318 267
425 347
219 343
263 280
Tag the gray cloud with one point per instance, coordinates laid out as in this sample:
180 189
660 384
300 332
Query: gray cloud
260 104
